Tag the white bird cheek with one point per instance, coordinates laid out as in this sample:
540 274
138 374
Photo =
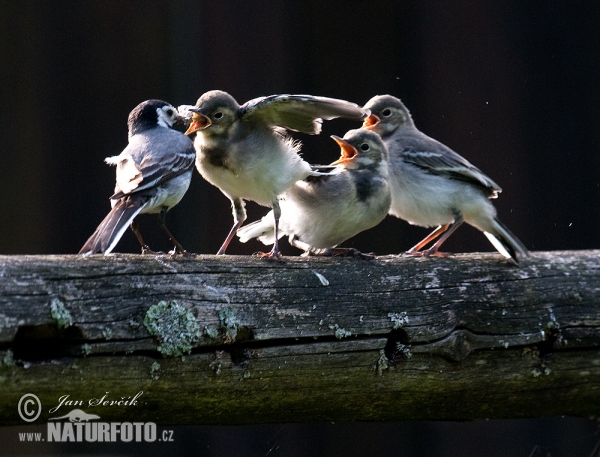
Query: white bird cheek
163 119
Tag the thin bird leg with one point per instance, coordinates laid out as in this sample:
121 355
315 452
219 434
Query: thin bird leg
429 238
239 216
275 254
178 249
136 231
433 250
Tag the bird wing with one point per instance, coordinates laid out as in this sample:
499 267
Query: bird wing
436 158
144 165
301 113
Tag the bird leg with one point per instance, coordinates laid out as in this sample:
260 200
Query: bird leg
178 249
136 231
415 250
447 230
239 216
275 254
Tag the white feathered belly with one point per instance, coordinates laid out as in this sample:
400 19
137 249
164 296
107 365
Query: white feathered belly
328 223
260 178
435 200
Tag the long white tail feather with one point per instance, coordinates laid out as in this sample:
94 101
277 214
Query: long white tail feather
116 238
262 229
505 242
498 245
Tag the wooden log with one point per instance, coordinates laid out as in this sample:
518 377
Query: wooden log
239 340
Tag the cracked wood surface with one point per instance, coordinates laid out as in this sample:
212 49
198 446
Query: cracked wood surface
314 339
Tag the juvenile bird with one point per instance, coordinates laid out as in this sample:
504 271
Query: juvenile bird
434 186
321 212
244 152
153 173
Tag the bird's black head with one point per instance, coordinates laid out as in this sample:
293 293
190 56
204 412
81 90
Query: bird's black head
388 114
151 114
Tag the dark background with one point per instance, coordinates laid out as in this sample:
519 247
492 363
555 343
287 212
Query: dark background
513 86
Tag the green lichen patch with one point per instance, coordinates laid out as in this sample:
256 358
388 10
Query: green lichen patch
155 371
340 332
211 332
230 324
8 359
60 313
86 349
403 349
399 320
175 328
382 363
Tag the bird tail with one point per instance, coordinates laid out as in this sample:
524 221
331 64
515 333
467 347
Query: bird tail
111 229
262 229
505 242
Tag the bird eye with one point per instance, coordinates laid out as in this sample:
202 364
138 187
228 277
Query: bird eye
364 147
170 112
386 112
218 115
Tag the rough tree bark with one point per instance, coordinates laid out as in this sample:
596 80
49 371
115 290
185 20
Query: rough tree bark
237 340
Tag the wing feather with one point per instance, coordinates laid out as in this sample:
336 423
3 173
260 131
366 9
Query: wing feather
436 158
302 113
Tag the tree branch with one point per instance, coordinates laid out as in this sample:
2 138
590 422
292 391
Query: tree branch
238 340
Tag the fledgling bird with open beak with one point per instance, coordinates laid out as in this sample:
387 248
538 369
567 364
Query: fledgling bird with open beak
244 152
321 212
434 186
153 174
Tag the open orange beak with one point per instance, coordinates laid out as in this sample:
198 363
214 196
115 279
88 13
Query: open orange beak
371 122
199 122
349 152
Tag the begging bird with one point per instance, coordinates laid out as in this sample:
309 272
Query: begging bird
243 150
434 186
321 212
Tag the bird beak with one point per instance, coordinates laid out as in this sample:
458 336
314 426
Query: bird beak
371 122
199 122
349 152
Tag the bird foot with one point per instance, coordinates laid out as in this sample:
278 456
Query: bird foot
428 253
147 251
181 252
270 256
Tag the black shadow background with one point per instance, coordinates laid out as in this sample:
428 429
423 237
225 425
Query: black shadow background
512 86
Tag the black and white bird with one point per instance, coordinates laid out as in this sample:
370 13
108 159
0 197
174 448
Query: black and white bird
321 212
243 150
434 186
153 174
